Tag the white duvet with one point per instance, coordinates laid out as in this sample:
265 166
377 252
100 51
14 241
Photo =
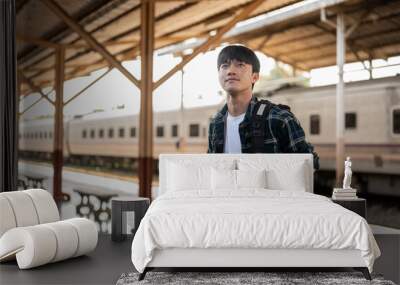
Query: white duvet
256 218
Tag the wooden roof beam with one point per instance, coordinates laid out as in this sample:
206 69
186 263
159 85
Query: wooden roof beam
107 43
286 60
20 5
127 54
328 55
356 47
34 103
307 48
358 57
87 87
37 41
30 107
295 40
92 42
349 42
34 87
264 41
49 44
210 41
357 22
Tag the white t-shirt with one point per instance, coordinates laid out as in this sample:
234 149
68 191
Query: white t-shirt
232 142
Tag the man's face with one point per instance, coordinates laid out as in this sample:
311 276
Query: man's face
236 76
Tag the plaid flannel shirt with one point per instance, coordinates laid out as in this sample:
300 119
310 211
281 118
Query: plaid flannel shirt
283 134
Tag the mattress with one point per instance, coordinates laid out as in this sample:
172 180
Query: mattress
250 219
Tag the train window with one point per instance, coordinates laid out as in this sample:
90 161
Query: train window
194 130
92 134
110 133
50 135
350 121
40 135
101 133
133 132
174 131
396 121
84 133
160 131
121 132
314 124
36 135
45 135
204 132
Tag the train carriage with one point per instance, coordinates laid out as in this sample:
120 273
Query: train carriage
372 132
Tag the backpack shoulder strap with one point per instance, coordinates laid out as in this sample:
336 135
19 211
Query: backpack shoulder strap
261 111
285 107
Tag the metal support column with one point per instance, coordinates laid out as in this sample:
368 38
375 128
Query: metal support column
182 129
370 67
294 71
146 98
58 126
340 59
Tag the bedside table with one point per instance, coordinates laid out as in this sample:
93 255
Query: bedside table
127 212
358 205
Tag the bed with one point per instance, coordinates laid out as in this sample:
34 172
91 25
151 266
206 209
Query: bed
247 210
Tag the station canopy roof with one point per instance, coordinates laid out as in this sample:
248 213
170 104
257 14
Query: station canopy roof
296 36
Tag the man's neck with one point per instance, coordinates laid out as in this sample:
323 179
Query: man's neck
238 103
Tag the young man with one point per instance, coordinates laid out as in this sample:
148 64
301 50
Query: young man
245 124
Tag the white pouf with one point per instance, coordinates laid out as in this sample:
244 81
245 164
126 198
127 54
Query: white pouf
31 233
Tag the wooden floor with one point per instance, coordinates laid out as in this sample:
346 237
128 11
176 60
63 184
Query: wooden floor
111 259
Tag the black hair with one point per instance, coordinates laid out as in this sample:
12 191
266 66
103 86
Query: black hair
240 53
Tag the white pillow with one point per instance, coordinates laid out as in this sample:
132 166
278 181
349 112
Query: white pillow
223 179
228 179
293 178
251 178
183 177
281 173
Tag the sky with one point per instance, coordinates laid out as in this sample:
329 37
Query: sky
117 96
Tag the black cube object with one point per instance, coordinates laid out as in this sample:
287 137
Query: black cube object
119 207
357 205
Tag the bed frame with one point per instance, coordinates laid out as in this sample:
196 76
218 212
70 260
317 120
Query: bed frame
242 259
246 258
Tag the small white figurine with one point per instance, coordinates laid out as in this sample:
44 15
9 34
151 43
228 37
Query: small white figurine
347 174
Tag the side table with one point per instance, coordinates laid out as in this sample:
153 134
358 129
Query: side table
358 205
126 214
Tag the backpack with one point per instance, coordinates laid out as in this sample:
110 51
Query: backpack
259 119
